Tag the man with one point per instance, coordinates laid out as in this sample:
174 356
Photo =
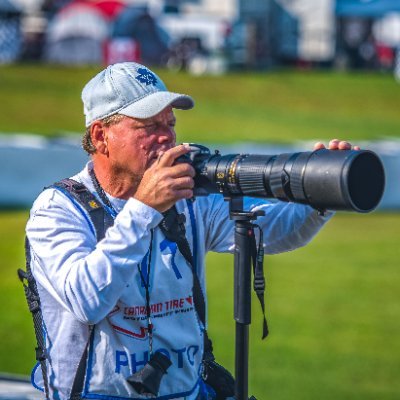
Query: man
134 286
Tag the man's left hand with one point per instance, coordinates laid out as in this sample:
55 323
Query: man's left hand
336 144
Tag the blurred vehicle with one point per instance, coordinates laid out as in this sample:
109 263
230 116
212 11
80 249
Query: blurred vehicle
196 42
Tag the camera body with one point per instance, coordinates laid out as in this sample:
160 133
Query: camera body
351 180
147 380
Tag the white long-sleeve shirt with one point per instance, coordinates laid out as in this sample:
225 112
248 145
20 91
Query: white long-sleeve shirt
83 282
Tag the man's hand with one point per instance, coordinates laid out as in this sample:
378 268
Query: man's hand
164 183
336 144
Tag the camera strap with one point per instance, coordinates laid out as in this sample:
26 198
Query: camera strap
146 284
173 228
33 300
257 255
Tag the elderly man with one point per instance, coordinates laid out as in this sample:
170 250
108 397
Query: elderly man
109 304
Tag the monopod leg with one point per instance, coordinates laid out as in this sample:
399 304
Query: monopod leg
242 304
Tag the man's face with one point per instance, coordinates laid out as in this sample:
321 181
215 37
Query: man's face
134 144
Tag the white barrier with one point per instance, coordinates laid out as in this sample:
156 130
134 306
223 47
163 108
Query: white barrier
17 387
29 163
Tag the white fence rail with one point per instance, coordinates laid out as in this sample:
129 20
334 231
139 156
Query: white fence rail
29 163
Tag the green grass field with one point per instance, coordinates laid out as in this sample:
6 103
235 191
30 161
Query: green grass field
333 307
278 106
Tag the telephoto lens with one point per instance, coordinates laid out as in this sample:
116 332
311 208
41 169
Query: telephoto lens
351 180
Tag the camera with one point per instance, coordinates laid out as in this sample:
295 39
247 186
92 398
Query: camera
351 180
147 380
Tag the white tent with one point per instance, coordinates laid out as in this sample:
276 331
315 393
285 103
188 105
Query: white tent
76 36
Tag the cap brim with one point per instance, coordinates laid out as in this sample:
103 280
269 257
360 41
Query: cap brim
154 103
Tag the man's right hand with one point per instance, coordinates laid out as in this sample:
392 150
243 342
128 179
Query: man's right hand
164 183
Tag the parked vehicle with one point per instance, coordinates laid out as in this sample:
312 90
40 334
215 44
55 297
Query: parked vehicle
196 42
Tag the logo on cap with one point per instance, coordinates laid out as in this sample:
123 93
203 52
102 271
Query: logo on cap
146 76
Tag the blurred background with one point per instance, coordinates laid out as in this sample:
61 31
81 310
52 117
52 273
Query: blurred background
268 76
203 35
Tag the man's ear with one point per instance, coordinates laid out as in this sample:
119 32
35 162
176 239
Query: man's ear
98 135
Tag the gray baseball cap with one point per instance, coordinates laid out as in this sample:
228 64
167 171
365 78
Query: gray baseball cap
130 89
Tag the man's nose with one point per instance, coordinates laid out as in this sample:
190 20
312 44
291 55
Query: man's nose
166 135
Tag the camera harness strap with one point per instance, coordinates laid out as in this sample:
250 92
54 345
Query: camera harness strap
101 221
33 300
173 228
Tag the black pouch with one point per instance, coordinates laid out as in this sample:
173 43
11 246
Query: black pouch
218 377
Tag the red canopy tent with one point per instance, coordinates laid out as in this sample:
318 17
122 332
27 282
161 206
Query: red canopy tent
109 8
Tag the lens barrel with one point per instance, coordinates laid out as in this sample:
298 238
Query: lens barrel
344 180
325 179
